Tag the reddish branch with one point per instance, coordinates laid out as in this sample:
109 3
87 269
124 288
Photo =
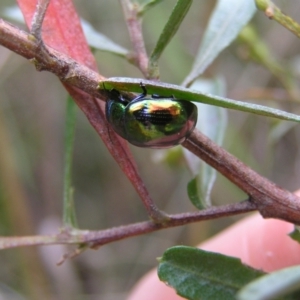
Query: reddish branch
102 237
264 196
270 200
134 25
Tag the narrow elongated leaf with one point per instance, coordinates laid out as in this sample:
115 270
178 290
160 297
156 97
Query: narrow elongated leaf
69 215
199 188
171 27
197 274
277 285
166 89
212 122
227 20
100 41
145 5
194 194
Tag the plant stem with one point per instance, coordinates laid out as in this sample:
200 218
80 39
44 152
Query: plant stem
38 18
270 200
273 12
74 74
134 26
98 238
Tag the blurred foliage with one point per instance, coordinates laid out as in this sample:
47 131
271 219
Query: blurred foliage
32 112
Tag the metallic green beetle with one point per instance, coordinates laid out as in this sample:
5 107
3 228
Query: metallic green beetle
151 122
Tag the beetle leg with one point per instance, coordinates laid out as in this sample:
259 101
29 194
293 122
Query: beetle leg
143 87
144 93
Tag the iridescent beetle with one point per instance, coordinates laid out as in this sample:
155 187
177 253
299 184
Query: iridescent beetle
151 122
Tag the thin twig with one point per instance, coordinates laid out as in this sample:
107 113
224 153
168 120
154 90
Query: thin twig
265 196
38 18
134 26
73 75
270 200
102 237
36 27
273 12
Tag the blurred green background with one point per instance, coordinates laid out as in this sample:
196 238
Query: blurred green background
32 115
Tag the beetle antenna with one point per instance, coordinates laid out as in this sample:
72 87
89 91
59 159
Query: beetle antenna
143 89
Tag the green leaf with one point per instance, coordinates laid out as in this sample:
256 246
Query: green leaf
146 5
258 49
101 42
295 234
212 122
277 285
197 274
194 194
166 89
227 20
69 216
199 188
178 13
